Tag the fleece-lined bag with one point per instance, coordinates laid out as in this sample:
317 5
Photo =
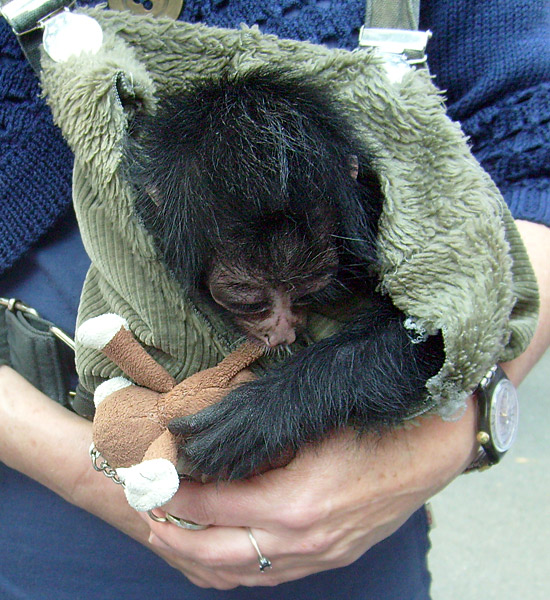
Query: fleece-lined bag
450 255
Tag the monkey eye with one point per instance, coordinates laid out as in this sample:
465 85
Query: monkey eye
241 308
305 300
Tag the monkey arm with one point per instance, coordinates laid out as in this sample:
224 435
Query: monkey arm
370 375
329 506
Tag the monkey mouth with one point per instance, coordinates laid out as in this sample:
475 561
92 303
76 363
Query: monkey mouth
280 351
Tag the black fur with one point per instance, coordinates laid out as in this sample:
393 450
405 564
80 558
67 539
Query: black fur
250 171
228 157
371 375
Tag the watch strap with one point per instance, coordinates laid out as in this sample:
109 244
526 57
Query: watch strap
481 462
487 455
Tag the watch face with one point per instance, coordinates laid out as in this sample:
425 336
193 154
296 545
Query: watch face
504 415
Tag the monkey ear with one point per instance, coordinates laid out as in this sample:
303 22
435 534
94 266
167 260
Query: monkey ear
353 164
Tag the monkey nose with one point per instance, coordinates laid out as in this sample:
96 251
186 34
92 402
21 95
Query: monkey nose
280 337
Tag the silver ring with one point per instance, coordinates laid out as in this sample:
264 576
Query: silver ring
265 563
168 518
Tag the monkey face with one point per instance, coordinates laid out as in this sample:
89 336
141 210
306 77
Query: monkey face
271 312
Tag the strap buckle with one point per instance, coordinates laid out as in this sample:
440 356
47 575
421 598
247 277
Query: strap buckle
52 24
13 305
25 16
402 49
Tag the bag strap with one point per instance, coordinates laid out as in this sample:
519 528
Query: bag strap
399 14
386 22
38 350
28 21
39 23
392 29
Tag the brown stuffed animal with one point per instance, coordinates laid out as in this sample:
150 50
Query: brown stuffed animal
130 423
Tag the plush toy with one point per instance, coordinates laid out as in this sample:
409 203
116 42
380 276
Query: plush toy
130 423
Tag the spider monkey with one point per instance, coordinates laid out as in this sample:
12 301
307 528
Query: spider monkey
261 196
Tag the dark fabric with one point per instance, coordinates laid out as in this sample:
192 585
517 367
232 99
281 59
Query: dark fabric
37 354
50 277
493 61
51 550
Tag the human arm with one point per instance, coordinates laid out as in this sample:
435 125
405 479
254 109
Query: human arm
304 516
335 501
323 510
536 238
49 444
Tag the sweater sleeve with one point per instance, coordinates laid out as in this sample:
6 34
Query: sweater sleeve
493 61
35 163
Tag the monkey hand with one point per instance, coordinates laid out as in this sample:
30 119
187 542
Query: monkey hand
129 427
323 510
248 432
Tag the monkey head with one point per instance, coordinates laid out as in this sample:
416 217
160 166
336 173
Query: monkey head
255 188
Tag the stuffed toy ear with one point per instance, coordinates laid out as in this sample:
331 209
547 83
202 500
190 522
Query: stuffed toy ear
110 334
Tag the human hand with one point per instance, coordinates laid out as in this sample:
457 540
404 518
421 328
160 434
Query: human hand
324 510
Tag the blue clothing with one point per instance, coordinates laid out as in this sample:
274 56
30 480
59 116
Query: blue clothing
52 550
494 60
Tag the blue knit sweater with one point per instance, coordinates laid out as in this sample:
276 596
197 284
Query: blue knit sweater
493 58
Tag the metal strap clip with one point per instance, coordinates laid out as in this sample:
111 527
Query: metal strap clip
14 305
27 18
402 48
51 23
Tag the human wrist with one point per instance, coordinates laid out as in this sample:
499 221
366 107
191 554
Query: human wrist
448 447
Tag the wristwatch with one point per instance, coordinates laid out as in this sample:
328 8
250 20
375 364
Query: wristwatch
498 410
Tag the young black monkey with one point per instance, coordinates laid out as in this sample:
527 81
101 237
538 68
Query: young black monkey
259 194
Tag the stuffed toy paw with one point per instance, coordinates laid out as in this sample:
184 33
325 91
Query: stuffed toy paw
130 427
150 483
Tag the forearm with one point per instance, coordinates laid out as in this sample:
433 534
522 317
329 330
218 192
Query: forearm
370 485
48 443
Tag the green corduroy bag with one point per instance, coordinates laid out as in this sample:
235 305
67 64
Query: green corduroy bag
450 255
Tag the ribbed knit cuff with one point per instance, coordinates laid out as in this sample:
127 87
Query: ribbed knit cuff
530 200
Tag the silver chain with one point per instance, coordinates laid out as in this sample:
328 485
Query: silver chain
103 467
